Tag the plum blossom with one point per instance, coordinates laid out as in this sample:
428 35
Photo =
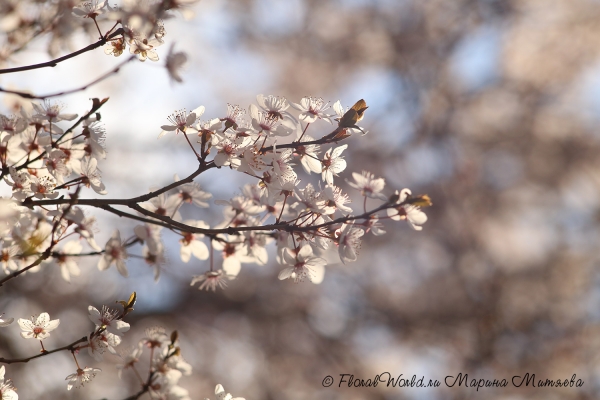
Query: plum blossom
308 155
89 9
37 327
312 108
191 243
91 175
368 185
192 193
79 378
269 123
333 163
129 358
114 252
68 265
52 112
183 122
222 395
211 280
145 48
274 106
108 319
349 242
99 343
7 390
409 212
302 265
234 254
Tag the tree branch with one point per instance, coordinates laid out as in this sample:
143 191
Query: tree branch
101 78
70 347
54 62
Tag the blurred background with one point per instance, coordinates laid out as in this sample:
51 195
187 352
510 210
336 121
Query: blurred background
491 107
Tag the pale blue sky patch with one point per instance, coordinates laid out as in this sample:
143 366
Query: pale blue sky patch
475 59
392 105
277 17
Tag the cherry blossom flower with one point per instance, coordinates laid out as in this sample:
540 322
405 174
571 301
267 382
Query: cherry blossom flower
335 199
309 199
94 133
52 112
85 226
191 243
312 108
12 125
409 212
99 343
255 245
129 358
7 390
155 337
91 175
234 254
374 226
303 265
228 153
108 319
333 163
114 252
79 378
349 242
149 234
309 156
368 185
222 395
11 149
192 193
89 9
164 205
269 124
8 259
274 106
183 122
235 115
68 265
211 280
154 258
115 47
144 48
37 327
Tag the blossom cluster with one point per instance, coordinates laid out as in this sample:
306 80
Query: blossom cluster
269 145
167 364
304 221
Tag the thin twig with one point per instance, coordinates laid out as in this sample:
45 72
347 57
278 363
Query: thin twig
54 63
79 89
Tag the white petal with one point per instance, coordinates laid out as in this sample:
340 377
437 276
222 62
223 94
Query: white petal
232 266
286 273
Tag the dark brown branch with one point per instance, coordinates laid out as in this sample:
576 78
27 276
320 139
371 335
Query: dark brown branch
54 62
100 79
125 202
70 347
135 217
